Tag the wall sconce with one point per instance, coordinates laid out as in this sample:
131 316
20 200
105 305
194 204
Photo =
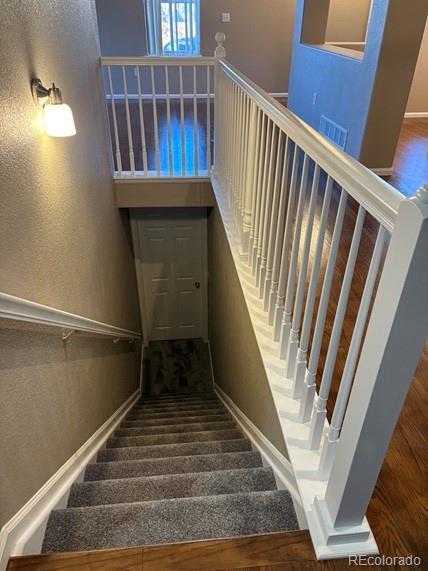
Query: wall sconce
57 115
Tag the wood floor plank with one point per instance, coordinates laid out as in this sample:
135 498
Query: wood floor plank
130 559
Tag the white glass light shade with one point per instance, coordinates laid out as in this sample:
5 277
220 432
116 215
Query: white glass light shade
58 120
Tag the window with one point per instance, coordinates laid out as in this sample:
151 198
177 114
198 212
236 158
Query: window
173 27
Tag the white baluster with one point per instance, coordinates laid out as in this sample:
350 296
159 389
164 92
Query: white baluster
195 123
320 409
208 135
262 158
155 121
293 341
250 167
168 121
300 371
395 335
273 294
311 373
267 212
254 181
142 126
330 443
259 235
265 285
283 271
128 123
115 129
182 131
292 274
239 166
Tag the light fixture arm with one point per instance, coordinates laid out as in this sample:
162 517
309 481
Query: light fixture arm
42 95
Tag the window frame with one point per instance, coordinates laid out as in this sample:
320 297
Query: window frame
153 17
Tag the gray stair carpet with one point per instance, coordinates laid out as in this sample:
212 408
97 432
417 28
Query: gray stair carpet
176 469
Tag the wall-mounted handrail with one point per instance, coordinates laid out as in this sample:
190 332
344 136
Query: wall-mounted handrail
19 309
374 194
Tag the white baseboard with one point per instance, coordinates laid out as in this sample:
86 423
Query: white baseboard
271 456
23 534
416 114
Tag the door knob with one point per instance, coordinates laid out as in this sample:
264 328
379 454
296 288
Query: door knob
197 285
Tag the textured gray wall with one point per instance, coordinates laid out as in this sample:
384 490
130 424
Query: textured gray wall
63 243
237 363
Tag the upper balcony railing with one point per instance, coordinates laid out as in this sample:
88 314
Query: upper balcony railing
161 115
290 201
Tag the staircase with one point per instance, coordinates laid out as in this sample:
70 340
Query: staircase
177 469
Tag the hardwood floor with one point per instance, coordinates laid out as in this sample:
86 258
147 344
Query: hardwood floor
411 157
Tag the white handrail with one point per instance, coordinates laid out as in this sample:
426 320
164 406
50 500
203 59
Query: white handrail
374 194
19 309
158 60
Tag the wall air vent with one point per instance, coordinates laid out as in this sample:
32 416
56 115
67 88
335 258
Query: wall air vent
334 132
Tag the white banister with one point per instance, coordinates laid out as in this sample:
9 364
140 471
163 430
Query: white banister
384 373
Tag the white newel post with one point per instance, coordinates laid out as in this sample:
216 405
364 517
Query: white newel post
395 335
249 180
219 53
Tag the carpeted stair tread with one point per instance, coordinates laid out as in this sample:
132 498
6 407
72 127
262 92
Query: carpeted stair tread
177 402
168 521
175 420
177 408
215 458
181 449
175 414
171 486
176 397
174 428
174 438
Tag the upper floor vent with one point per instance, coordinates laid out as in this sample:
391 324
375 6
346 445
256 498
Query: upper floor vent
333 131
